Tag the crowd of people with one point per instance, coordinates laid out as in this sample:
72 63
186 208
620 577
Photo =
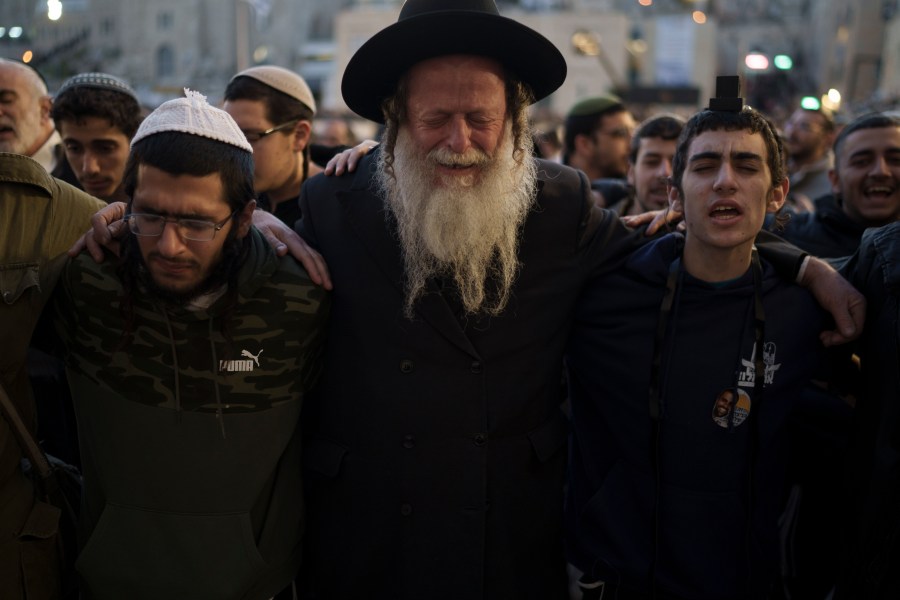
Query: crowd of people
454 362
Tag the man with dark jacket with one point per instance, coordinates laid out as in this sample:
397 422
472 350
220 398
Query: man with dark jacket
865 184
188 362
436 444
678 497
872 550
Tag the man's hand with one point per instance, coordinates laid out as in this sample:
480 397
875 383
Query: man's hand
657 219
835 294
283 239
107 227
346 161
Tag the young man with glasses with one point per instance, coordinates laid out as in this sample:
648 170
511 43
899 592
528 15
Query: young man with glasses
274 107
188 361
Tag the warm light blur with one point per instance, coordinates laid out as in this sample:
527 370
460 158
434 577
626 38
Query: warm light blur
832 100
636 46
260 54
699 17
27 56
645 2
843 34
756 61
586 43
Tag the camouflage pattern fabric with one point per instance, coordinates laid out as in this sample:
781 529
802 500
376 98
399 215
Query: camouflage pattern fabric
275 338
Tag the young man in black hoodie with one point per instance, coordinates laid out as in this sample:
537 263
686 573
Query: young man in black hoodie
670 496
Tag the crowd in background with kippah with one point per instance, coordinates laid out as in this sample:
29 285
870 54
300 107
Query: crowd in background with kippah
296 365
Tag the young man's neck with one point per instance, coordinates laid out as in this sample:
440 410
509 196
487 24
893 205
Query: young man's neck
715 265
290 190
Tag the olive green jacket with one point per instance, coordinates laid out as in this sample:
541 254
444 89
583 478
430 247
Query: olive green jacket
40 217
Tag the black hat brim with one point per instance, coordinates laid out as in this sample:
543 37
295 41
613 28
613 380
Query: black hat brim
372 74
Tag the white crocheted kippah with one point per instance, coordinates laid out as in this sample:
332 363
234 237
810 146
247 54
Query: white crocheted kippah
284 81
98 81
194 115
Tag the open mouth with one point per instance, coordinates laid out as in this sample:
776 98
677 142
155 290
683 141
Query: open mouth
725 212
879 191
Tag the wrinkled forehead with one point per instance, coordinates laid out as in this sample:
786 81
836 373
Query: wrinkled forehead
21 80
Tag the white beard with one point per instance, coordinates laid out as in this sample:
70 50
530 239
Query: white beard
466 228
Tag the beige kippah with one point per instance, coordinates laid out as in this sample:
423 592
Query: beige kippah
284 81
194 115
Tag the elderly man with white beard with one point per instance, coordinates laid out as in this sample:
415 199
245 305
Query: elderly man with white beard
437 447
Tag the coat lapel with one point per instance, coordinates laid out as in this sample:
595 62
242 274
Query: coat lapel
366 216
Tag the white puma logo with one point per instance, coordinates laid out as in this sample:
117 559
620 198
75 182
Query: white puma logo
247 354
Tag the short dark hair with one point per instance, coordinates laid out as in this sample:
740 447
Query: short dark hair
180 153
121 110
576 125
280 107
665 126
747 119
867 121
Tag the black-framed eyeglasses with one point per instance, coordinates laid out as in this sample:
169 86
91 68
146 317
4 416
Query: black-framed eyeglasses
197 230
255 136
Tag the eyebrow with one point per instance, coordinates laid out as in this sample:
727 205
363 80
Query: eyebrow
718 156
872 151
177 215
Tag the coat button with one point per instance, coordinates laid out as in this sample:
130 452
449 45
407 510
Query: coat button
409 441
476 366
406 366
480 439
406 509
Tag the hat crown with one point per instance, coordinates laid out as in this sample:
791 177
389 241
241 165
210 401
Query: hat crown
415 8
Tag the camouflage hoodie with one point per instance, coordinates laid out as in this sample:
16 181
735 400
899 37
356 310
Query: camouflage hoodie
189 440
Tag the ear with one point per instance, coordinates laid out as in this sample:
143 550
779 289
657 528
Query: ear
302 135
245 219
629 177
777 196
45 102
583 143
675 202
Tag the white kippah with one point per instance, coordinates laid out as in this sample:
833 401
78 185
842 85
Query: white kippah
194 115
284 81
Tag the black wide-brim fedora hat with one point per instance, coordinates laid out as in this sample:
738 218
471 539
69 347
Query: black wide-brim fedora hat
431 28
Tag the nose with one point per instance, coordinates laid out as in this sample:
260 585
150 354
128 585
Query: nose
89 164
664 169
459 136
725 181
170 243
880 166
